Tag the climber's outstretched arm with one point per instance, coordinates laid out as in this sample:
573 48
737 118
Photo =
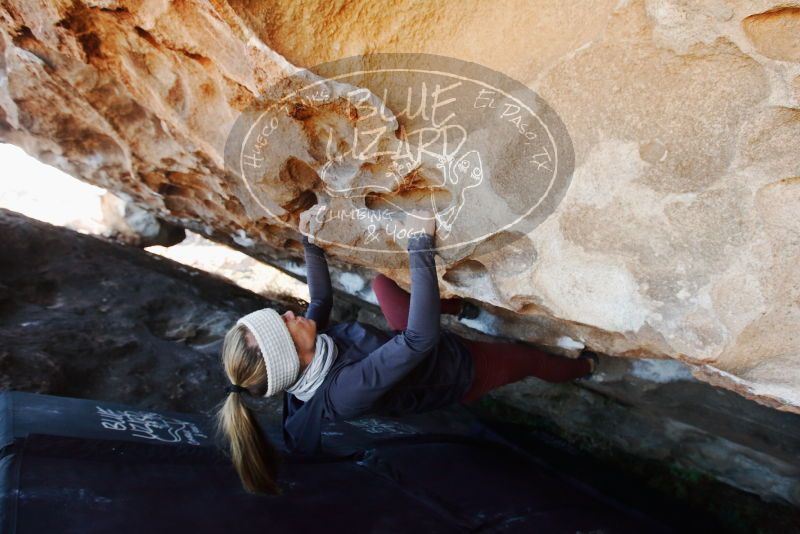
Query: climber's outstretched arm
317 275
319 285
359 385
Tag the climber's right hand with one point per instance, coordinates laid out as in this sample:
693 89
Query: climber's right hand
420 221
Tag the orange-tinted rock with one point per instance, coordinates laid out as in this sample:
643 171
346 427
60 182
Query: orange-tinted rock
776 33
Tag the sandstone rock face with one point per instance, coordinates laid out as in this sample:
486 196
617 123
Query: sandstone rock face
677 237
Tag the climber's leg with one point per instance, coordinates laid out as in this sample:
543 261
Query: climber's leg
395 301
498 364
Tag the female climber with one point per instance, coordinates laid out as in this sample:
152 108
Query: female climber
345 370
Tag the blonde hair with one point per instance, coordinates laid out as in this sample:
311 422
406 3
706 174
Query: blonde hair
253 455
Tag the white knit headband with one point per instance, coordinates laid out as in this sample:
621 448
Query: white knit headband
277 348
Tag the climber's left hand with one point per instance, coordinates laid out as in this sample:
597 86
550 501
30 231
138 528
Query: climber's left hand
311 221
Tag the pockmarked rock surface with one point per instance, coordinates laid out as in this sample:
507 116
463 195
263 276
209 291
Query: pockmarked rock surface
678 234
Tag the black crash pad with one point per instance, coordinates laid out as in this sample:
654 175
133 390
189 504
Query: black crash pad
82 466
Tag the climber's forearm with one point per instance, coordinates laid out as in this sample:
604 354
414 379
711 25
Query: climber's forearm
424 311
319 284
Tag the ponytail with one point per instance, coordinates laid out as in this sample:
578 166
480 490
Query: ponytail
254 457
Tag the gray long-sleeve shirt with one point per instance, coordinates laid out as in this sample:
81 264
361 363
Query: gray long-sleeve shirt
421 368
